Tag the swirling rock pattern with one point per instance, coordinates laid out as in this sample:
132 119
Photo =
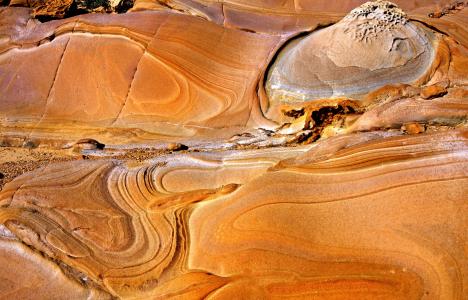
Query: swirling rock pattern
354 213
186 150
336 226
147 70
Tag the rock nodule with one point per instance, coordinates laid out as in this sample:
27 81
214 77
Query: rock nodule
373 46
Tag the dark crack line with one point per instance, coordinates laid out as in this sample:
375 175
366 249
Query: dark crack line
136 70
53 82
223 13
129 89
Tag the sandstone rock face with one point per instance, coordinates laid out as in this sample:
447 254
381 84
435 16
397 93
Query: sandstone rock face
135 74
195 149
373 46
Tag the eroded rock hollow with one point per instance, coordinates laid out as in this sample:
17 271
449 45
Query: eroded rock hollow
236 149
374 45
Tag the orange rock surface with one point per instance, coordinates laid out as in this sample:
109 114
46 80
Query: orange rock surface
186 150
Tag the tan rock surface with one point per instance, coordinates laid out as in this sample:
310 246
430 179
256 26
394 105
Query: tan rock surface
313 228
144 155
150 70
36 277
373 46
278 15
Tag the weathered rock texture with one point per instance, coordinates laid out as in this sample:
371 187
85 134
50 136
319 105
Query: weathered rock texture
57 9
371 47
235 150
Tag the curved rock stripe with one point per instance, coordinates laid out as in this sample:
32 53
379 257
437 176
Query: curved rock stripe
160 72
383 215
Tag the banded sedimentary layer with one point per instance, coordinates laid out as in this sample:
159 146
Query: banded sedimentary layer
189 150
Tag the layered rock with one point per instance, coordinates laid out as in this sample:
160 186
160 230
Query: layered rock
334 225
164 73
38 278
149 154
277 16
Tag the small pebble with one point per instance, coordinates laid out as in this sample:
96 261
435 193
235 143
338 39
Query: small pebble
413 128
88 144
177 147
433 91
